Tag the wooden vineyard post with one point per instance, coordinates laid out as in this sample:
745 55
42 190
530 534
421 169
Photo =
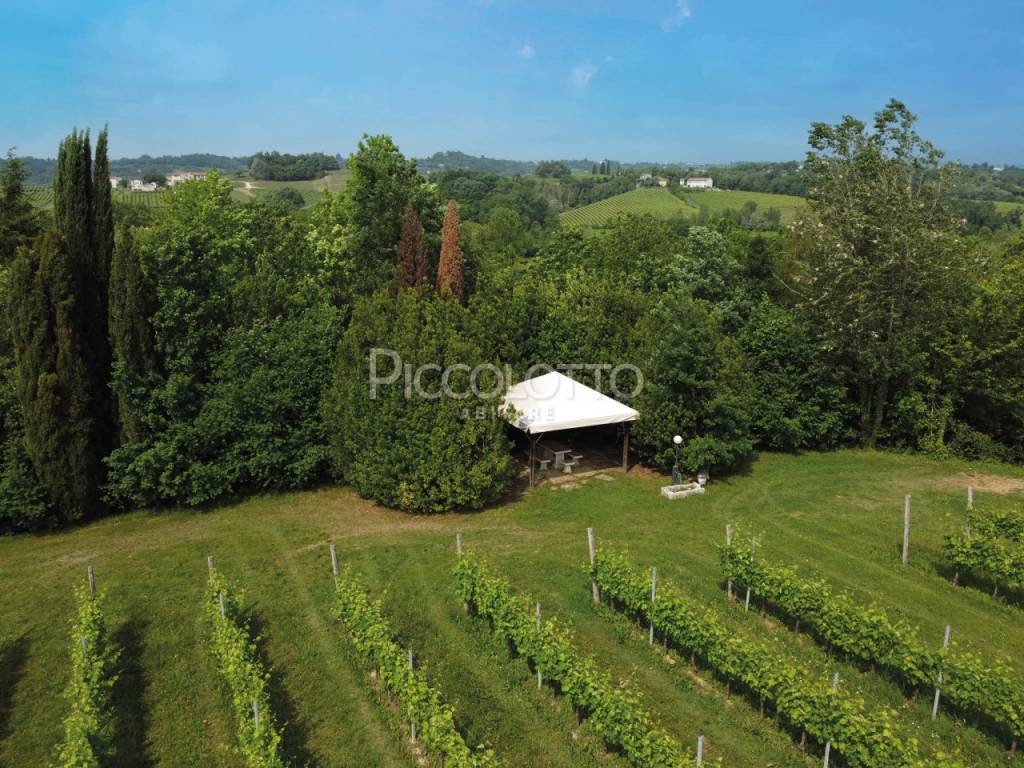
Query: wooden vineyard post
970 497
828 744
256 713
334 563
592 550
700 751
92 581
209 564
412 723
728 543
540 677
906 529
753 543
938 691
220 597
458 553
654 592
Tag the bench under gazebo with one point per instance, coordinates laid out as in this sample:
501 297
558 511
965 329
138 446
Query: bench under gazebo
553 403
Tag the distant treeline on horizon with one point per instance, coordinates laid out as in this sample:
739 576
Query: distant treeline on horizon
977 182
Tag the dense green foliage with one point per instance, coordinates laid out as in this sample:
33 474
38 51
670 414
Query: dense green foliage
991 548
863 738
615 713
88 726
241 344
422 703
879 318
274 166
869 634
428 453
57 311
237 654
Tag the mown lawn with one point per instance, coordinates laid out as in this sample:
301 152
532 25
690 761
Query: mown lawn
839 514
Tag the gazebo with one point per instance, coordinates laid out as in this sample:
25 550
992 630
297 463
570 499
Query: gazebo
554 402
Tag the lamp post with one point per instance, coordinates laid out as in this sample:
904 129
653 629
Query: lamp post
677 476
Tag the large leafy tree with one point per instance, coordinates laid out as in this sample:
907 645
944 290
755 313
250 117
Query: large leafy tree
403 446
882 252
381 184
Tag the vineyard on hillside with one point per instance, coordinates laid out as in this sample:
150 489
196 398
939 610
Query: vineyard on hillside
659 203
42 197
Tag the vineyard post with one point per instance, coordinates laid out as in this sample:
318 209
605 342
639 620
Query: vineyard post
753 543
593 582
412 723
85 644
700 751
92 582
458 553
828 744
935 704
970 497
221 598
906 528
334 563
256 713
209 564
654 592
540 677
728 543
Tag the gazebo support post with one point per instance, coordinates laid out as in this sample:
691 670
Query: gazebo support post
533 462
625 448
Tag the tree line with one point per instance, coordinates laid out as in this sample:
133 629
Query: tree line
212 347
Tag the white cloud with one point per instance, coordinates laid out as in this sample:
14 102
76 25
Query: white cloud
682 13
527 51
581 75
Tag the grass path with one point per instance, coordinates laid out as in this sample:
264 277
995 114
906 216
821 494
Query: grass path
838 515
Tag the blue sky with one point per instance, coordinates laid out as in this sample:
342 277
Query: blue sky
668 80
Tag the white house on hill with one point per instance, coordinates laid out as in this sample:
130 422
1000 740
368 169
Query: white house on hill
697 182
179 176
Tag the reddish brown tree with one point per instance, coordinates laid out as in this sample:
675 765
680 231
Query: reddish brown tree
449 269
412 253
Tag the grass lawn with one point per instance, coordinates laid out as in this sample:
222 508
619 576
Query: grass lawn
837 514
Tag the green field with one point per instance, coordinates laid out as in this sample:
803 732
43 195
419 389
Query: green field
247 189
718 200
663 204
1007 207
837 514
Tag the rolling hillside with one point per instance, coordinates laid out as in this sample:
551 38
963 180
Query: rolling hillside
663 204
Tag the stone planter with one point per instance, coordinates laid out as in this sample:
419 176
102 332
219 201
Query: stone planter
682 491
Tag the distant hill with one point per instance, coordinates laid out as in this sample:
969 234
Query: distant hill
41 170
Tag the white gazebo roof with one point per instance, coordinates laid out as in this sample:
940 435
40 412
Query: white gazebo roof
554 401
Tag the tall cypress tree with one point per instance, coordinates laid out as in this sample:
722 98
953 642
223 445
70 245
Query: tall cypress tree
131 304
54 385
450 266
59 328
412 253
